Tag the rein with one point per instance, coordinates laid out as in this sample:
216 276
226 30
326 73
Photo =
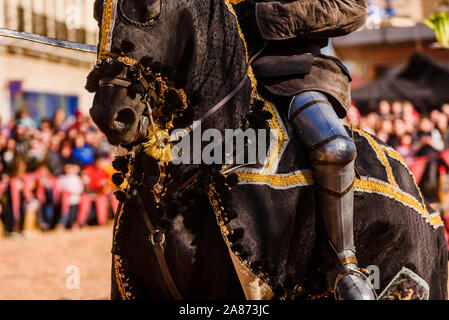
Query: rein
157 240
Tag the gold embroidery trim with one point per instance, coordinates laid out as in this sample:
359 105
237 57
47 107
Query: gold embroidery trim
119 217
280 141
105 26
235 2
278 181
118 279
123 59
305 178
281 138
380 155
236 259
394 154
397 156
370 185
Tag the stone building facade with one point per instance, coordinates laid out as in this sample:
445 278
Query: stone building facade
39 77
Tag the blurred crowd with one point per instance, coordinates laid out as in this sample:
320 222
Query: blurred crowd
400 125
58 169
419 138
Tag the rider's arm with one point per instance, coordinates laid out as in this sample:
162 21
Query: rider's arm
284 19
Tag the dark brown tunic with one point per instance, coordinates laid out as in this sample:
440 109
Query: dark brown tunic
295 32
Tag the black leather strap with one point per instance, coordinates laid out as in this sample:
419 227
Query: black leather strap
324 142
114 82
157 240
333 164
307 105
334 193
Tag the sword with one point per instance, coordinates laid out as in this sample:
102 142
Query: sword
48 41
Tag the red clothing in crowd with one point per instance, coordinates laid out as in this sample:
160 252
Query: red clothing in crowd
98 178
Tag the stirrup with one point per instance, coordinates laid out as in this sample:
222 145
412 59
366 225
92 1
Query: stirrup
353 285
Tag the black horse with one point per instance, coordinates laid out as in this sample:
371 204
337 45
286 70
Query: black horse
254 225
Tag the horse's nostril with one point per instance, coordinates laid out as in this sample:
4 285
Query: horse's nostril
125 116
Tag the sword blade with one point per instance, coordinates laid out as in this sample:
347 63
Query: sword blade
48 41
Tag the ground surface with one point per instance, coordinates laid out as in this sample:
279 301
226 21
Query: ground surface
36 268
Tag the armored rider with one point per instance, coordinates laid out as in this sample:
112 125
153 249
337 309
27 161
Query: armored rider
316 86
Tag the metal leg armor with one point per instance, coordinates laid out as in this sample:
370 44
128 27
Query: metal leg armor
332 154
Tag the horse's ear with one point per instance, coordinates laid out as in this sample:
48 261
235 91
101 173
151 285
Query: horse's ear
140 11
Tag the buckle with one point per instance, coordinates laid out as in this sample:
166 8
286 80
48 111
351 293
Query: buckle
157 238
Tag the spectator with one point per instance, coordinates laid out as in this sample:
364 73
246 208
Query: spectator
396 109
384 110
33 163
405 147
22 140
55 161
353 117
72 188
47 193
20 192
83 153
66 152
399 130
35 155
98 177
8 155
442 126
445 109
60 122
6 211
25 120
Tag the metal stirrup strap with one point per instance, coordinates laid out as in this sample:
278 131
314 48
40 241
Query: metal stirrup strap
333 164
324 142
157 239
307 105
337 194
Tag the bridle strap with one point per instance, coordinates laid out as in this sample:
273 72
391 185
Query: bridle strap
157 240
208 114
108 82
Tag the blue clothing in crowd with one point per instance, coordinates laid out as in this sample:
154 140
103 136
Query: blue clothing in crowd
85 155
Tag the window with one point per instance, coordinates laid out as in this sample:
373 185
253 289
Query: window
39 24
44 105
20 19
61 30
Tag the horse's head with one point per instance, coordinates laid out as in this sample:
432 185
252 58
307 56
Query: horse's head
136 36
150 49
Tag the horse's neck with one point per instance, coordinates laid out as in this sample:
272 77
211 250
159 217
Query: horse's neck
224 66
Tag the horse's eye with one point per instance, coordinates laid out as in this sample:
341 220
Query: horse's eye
142 11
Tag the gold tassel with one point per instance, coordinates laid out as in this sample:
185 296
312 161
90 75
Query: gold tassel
152 147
